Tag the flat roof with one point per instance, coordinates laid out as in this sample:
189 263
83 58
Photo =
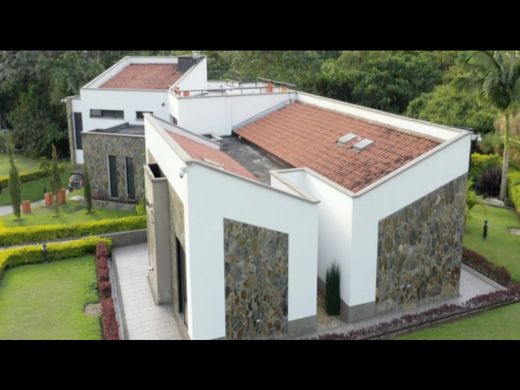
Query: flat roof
254 159
125 128
213 156
304 135
144 76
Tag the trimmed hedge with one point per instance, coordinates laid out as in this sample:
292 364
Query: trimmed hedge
21 235
29 176
30 254
479 263
514 188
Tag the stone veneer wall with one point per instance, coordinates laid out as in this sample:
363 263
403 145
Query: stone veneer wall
176 231
96 149
256 272
420 249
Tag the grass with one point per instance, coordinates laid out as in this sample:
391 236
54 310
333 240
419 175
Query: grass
70 212
24 164
497 324
46 301
33 190
501 247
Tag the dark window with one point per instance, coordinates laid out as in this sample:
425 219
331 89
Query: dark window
78 128
112 173
130 181
173 120
118 114
139 114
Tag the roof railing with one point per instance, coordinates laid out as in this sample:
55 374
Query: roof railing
229 91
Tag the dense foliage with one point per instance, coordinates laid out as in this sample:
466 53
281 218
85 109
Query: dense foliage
38 233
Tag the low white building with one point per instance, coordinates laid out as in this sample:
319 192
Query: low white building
390 195
254 190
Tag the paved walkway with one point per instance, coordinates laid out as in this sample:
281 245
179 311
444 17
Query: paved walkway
144 320
6 210
472 284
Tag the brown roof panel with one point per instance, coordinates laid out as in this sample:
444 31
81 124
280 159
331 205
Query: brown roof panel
145 76
303 135
201 152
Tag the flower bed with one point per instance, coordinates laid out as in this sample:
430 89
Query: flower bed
479 263
108 313
410 321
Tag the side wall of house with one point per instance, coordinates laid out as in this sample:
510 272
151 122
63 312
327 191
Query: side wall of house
96 149
128 101
410 185
215 196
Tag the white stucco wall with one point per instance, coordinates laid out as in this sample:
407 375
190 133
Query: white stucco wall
410 185
171 165
213 196
348 224
126 100
196 77
334 221
219 114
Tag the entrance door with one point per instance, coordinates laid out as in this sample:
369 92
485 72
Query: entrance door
181 281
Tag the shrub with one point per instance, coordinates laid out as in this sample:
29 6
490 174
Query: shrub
479 263
489 182
25 177
332 291
101 250
481 162
108 320
514 188
102 274
101 262
29 254
105 289
21 235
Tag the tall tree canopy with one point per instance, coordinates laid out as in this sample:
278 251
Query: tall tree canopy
386 80
494 78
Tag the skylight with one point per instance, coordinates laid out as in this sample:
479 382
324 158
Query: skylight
347 137
363 144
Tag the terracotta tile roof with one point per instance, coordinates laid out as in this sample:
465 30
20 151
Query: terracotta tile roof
145 76
201 152
303 135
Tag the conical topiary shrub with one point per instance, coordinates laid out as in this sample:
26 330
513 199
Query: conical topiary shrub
332 294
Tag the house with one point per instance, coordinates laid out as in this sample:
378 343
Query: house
258 189
106 120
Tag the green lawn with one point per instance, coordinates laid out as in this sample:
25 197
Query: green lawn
497 324
33 190
70 212
24 164
46 301
500 247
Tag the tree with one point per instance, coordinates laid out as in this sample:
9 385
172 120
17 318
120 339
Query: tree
385 80
448 106
55 178
15 186
88 191
494 78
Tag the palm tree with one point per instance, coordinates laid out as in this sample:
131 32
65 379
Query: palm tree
494 77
